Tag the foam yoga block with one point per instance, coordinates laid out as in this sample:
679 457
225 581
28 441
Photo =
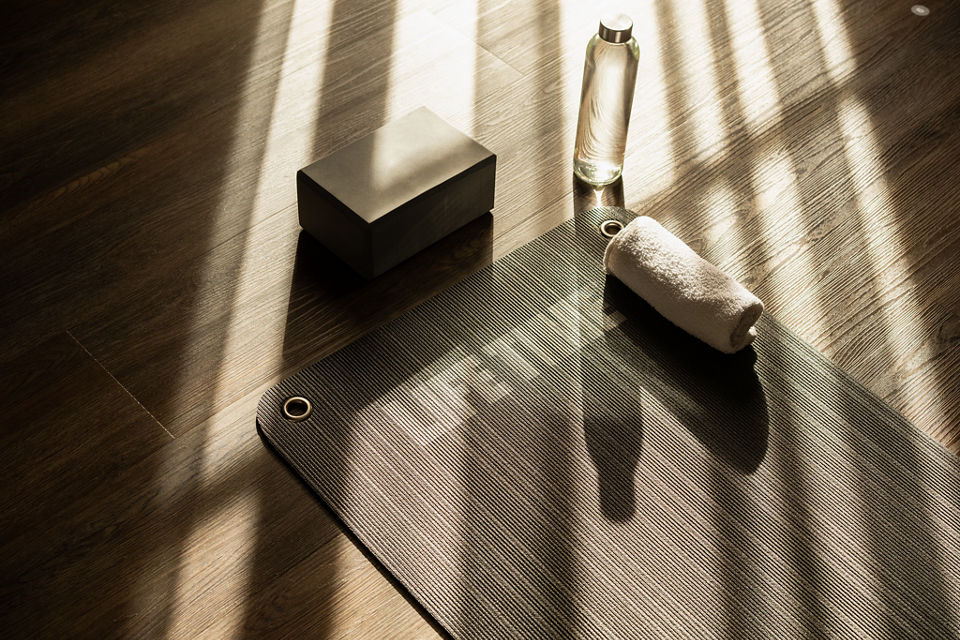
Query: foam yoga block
392 193
683 287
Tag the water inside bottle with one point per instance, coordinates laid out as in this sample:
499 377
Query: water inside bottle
605 102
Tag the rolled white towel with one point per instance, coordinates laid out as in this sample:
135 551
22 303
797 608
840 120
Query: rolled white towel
683 287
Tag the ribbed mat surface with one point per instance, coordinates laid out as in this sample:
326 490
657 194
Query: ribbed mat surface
536 454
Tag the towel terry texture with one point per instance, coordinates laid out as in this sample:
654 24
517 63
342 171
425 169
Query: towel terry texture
683 287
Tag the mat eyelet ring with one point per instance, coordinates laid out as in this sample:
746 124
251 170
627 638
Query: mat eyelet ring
297 408
610 228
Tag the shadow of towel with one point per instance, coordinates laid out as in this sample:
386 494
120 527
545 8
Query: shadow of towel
717 397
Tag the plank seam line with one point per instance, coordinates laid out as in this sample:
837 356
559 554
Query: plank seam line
473 39
120 384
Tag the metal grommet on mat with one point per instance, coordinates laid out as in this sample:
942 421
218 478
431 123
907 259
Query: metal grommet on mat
296 408
610 228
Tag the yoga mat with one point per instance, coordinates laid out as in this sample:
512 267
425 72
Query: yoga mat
535 453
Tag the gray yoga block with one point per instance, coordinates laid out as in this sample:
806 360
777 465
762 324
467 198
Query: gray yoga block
383 198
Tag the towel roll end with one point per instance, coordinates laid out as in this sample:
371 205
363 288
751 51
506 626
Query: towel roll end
683 287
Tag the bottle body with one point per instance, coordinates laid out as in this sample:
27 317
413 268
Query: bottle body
609 78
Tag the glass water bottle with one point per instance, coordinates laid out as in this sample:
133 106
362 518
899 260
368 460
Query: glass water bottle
609 77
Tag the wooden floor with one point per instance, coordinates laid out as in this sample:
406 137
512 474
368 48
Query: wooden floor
154 281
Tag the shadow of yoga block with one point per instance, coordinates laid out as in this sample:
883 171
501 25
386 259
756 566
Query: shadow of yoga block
383 198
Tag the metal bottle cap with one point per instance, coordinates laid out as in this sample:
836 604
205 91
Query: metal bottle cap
615 27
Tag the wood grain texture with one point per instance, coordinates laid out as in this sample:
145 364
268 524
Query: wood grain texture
72 432
147 157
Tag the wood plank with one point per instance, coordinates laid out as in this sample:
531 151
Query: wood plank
334 593
169 543
71 433
99 82
108 178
